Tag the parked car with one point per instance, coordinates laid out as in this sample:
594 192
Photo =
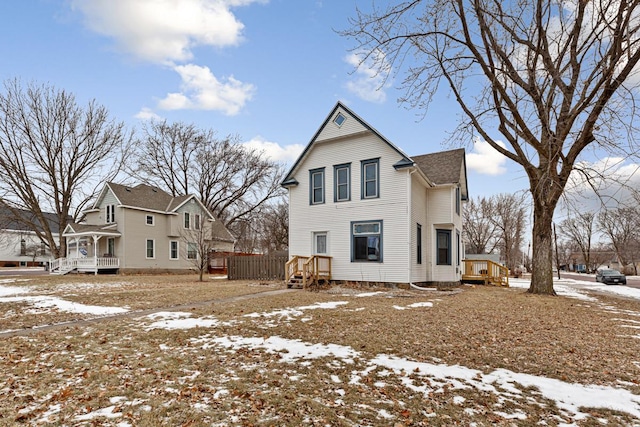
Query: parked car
611 277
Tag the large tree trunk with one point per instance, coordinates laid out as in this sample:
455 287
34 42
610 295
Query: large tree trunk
542 263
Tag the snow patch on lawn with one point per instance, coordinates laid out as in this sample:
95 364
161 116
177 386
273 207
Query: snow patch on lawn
181 320
49 302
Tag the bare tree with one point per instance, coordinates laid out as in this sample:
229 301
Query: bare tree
552 77
621 226
274 224
197 245
55 154
478 226
580 229
509 221
231 180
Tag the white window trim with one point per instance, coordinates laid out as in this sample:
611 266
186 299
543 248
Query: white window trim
146 248
315 242
196 250
184 220
153 220
177 258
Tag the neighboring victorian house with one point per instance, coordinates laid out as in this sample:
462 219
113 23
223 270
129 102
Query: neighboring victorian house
142 229
380 215
19 244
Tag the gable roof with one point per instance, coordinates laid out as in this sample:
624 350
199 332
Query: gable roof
445 167
220 232
289 179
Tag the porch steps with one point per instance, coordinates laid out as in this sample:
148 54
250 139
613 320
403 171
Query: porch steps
295 282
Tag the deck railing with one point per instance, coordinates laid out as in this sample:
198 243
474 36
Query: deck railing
65 265
310 269
489 272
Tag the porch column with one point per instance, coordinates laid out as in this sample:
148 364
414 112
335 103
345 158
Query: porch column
95 252
77 247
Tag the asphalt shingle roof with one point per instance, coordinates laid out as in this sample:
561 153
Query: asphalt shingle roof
443 167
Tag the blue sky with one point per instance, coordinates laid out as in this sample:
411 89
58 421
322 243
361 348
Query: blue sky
268 71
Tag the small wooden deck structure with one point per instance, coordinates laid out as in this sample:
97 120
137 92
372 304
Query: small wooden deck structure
83 265
303 271
486 272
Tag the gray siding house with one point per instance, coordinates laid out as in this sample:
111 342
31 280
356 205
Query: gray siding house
141 229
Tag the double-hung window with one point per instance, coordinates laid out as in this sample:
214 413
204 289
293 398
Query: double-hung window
192 250
458 200
342 182
196 220
443 247
149 220
366 241
316 187
187 220
110 216
370 179
173 249
151 248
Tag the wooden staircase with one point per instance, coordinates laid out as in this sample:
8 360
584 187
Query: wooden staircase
302 272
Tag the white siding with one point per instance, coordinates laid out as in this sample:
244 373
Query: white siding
419 272
332 130
336 217
442 215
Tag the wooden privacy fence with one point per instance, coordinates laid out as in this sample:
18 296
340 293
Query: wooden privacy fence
260 267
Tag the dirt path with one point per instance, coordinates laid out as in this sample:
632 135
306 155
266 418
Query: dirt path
140 313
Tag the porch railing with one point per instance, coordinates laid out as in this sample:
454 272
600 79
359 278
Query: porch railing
65 265
308 270
489 272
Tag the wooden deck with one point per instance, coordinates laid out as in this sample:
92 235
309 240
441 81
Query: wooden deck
302 271
486 272
83 265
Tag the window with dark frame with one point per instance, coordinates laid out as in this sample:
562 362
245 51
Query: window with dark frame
366 241
316 187
458 243
458 200
443 248
342 182
196 221
419 244
370 179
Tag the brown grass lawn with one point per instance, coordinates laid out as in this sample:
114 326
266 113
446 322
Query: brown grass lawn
234 370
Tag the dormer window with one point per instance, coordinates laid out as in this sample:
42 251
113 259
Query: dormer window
339 119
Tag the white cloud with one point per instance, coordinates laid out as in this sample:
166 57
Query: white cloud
147 113
610 180
201 90
486 160
274 151
164 31
369 83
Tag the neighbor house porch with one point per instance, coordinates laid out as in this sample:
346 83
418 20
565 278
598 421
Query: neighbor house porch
85 253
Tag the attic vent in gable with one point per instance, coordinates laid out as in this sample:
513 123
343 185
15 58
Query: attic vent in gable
339 119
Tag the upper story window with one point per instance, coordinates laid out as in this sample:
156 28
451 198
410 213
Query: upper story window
149 220
366 241
196 221
342 182
187 220
316 187
443 247
458 200
370 179
110 216
339 119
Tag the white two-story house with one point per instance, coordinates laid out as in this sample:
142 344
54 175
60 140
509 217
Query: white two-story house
142 228
379 215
